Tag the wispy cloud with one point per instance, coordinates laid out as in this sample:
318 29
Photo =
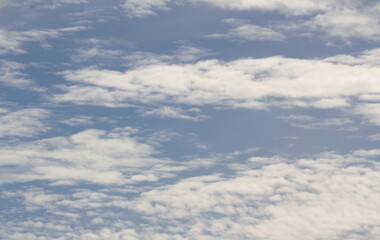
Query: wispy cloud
173 112
245 31
12 41
309 122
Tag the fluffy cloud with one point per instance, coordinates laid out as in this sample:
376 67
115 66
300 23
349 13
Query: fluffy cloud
92 156
23 123
370 111
344 19
243 83
326 196
330 196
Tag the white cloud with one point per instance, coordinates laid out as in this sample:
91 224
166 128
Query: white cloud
144 8
344 19
326 196
11 74
78 121
296 7
23 123
12 41
172 112
93 156
244 83
138 8
95 53
51 4
183 54
368 57
309 122
349 23
247 32
370 111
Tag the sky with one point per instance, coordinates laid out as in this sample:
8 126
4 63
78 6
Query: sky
189 119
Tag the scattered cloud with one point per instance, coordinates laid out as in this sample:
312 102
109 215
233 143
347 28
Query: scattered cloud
244 83
23 123
92 156
343 19
326 196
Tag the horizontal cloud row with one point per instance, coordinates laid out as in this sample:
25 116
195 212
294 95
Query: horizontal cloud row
334 82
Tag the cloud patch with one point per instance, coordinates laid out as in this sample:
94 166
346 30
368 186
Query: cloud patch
23 123
260 83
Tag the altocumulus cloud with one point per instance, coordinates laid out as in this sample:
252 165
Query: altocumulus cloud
244 83
93 156
327 196
189 119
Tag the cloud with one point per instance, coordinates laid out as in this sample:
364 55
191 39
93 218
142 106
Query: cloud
247 32
95 53
79 121
183 54
137 8
11 74
23 123
12 41
172 112
309 122
144 8
50 4
325 196
343 19
370 111
297 7
259 83
92 156
349 23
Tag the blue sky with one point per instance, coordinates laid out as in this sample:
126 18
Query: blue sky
189 119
